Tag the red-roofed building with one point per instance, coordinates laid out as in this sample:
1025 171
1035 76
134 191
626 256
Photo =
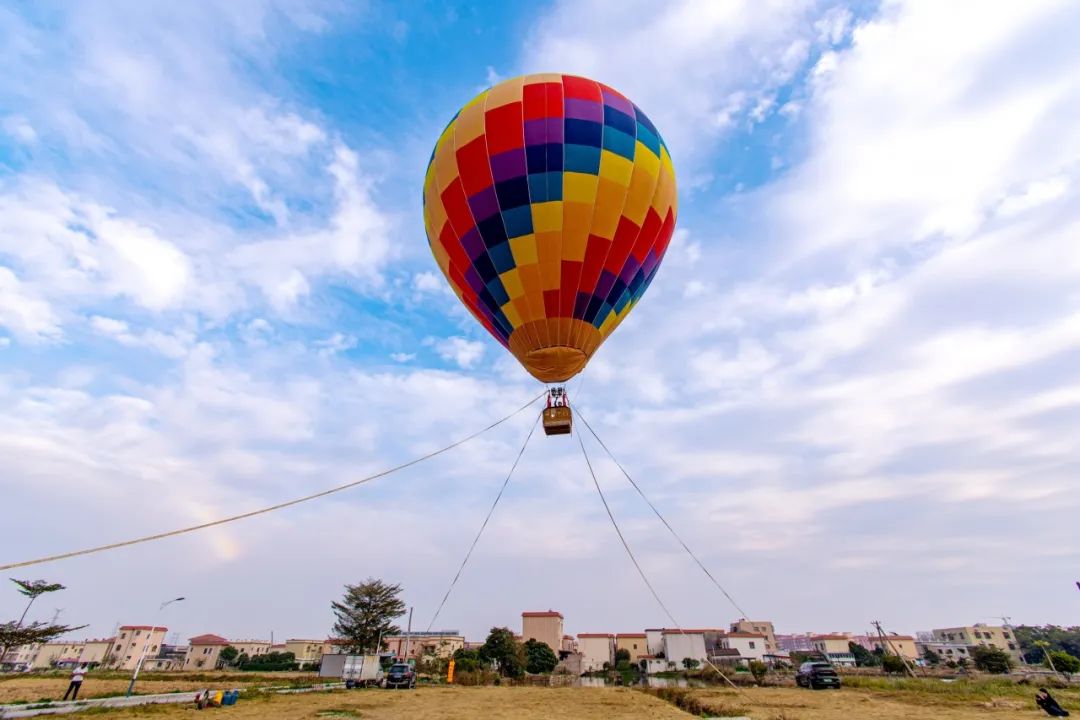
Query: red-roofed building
204 652
834 647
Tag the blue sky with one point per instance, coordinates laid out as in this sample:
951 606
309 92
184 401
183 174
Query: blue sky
853 387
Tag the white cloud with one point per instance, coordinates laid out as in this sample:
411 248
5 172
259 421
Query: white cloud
399 357
19 129
708 63
462 351
171 345
427 281
22 312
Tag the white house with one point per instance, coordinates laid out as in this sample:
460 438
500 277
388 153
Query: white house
654 665
751 646
596 649
678 646
654 640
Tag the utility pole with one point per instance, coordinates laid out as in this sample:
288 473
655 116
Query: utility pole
886 641
146 645
408 636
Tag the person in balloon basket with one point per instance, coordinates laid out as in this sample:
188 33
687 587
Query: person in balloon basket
1049 705
76 682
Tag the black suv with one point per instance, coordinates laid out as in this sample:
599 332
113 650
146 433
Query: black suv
817 675
400 675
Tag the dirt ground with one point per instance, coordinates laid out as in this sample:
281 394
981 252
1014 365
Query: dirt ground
519 703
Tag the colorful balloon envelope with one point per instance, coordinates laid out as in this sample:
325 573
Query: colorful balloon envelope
549 202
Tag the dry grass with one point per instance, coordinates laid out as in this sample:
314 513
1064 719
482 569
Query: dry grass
21 688
898 701
438 703
906 702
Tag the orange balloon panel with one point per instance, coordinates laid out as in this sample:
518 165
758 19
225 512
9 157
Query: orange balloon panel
549 202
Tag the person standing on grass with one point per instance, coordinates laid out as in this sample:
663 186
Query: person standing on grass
76 682
1049 705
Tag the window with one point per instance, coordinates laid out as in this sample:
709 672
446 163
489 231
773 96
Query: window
635 646
751 644
1012 646
1005 635
123 635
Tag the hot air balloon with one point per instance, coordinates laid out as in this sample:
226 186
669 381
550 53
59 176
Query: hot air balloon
549 202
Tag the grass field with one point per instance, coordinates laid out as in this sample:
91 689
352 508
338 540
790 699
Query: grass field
885 700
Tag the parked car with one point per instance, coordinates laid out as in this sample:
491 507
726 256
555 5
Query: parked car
400 675
817 675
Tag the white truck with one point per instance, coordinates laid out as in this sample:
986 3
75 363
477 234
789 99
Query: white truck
355 670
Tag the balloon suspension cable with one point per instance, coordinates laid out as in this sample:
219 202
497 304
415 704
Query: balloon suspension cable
662 519
641 572
483 525
278 506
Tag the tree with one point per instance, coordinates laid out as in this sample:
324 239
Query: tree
991 660
242 660
758 670
1063 662
228 655
502 648
366 613
539 657
863 657
893 664
931 657
690 663
272 661
1055 637
13 634
622 654
466 660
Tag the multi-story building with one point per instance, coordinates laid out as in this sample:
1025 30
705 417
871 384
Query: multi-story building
633 643
902 645
306 652
751 646
682 645
835 648
545 627
795 643
59 654
596 649
758 627
251 648
946 651
132 641
654 640
204 652
440 643
96 653
169 657
569 644
980 634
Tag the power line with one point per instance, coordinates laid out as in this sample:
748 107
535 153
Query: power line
271 508
633 559
490 512
662 519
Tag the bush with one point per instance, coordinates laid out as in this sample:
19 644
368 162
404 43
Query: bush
758 670
893 664
1063 662
991 660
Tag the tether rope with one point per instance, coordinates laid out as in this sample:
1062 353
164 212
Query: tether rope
674 534
490 512
637 565
271 508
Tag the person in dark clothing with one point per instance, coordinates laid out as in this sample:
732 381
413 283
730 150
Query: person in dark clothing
75 684
1049 705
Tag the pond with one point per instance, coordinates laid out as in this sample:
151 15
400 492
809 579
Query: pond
646 681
